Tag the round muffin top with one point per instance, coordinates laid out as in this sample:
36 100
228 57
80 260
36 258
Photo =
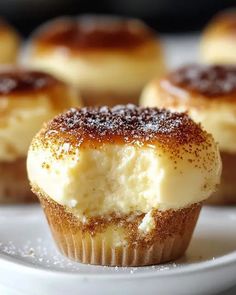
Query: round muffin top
95 33
224 22
17 81
123 124
212 81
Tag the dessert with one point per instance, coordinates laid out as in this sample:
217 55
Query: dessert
124 185
27 99
109 59
9 43
218 43
208 94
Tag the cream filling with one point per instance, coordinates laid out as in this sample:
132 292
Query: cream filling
124 178
147 224
102 72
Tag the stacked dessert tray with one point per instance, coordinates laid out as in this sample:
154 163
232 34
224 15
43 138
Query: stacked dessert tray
31 264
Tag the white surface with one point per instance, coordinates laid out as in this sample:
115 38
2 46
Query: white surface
30 261
181 49
31 265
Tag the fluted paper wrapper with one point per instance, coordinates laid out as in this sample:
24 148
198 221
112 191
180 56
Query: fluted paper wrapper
87 247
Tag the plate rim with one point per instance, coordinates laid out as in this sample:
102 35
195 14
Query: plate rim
223 261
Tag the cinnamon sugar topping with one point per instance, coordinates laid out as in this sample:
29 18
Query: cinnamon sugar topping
22 80
96 33
124 124
211 81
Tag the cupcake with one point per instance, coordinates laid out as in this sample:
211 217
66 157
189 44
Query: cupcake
9 43
218 43
109 59
208 94
124 185
27 99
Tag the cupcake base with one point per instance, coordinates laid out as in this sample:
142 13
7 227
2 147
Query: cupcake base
226 193
117 241
14 184
93 98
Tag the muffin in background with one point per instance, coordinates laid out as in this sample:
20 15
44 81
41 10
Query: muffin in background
218 44
208 94
109 59
123 185
9 43
27 100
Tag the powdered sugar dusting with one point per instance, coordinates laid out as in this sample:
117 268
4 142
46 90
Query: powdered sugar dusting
128 123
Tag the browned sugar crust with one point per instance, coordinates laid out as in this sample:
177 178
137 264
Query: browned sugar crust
122 124
23 81
89 33
212 81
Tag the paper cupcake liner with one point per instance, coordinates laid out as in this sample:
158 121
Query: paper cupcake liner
96 248
14 184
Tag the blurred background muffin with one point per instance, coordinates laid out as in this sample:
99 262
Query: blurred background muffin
109 59
27 100
208 94
218 43
9 43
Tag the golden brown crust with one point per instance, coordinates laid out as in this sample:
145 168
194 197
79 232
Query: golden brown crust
14 185
19 81
173 230
223 24
123 124
210 81
226 194
91 33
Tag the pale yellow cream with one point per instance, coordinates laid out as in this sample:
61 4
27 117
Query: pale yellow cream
123 178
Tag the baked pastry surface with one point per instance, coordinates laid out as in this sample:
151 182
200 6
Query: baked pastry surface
103 56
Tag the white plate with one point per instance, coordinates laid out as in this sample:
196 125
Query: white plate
31 265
